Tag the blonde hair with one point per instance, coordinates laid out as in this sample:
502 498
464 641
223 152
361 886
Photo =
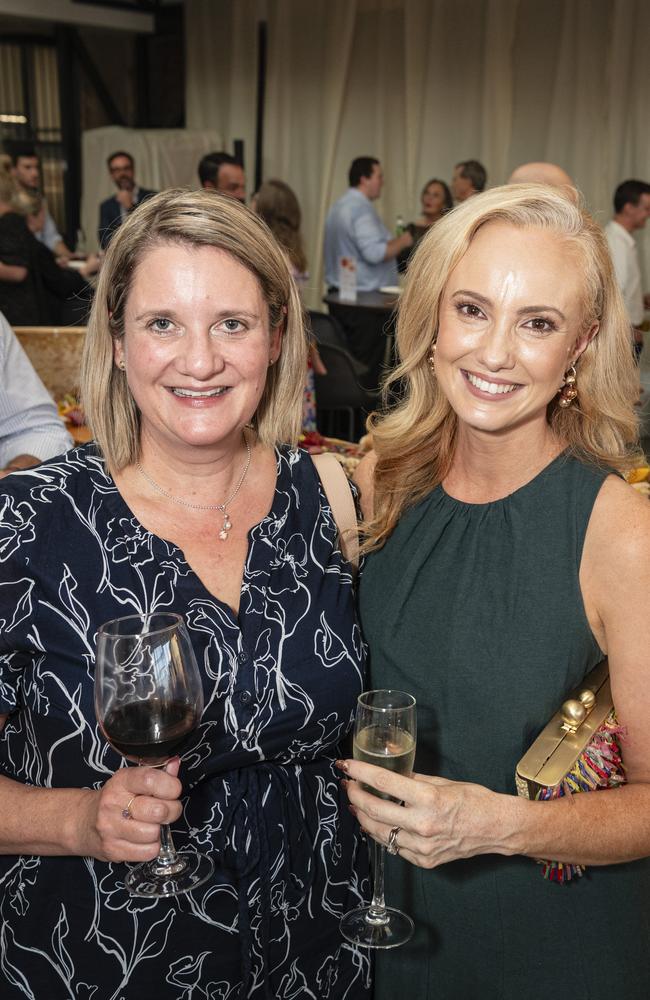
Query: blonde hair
415 440
25 202
194 218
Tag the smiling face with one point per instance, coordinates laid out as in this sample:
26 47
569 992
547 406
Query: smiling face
196 346
510 326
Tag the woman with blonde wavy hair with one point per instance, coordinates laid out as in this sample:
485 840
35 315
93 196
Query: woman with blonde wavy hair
507 557
192 499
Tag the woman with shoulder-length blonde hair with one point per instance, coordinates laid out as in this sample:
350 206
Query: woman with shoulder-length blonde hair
192 500
507 557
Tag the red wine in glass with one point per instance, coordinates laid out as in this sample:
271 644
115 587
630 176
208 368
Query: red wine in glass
149 701
152 731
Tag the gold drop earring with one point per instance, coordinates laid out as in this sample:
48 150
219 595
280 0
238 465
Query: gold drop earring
569 390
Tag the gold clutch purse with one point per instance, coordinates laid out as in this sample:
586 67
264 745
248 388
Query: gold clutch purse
578 751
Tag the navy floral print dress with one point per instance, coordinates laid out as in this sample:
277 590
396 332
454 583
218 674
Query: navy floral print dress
261 795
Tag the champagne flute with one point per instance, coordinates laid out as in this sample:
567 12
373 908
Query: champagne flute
149 700
384 735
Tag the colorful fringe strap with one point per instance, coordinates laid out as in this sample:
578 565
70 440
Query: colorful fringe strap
599 766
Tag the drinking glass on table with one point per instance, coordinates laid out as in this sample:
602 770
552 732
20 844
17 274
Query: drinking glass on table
385 731
149 700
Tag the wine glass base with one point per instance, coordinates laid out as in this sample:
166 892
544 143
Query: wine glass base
152 880
359 927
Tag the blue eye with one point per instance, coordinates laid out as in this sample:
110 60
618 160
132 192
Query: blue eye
161 324
233 326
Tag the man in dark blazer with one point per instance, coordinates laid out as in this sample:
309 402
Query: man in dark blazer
114 211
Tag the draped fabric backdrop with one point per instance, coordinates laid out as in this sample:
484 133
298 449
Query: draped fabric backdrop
422 84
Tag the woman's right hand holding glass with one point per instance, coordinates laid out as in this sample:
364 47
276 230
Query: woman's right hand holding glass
121 821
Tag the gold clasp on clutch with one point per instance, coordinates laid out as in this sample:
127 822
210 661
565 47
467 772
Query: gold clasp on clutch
574 711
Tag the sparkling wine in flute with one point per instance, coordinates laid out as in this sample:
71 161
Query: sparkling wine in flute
384 735
392 749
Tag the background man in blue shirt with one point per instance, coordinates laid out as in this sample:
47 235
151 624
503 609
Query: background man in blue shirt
354 230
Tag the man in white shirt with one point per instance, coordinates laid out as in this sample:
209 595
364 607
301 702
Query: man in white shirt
631 210
25 169
30 427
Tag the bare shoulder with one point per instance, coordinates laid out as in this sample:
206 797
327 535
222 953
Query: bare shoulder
615 580
364 479
619 527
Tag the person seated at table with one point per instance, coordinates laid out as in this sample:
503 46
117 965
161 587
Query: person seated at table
435 200
48 293
193 500
507 558
31 429
25 168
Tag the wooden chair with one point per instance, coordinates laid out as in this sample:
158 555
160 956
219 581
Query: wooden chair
55 353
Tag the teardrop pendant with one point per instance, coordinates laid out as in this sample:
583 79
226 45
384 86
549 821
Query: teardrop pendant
225 527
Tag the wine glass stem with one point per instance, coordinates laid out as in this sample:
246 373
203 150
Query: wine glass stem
377 909
168 862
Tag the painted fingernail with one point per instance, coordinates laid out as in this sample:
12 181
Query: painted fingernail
343 782
342 765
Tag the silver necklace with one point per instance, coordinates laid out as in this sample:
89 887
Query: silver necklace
223 507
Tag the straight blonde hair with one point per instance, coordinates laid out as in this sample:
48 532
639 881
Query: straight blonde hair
194 218
415 440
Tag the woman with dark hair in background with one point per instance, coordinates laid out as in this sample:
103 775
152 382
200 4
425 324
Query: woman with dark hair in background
435 200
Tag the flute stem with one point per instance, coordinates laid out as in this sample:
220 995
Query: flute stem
377 909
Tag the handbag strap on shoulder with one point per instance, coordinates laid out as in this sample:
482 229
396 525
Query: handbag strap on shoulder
339 494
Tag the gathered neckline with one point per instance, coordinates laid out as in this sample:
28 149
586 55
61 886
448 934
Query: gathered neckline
531 484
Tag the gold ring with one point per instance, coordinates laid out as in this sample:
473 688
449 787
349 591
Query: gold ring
127 811
392 846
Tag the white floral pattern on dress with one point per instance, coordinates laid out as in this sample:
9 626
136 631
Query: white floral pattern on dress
261 793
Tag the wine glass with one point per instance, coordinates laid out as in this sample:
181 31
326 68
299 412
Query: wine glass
384 735
148 700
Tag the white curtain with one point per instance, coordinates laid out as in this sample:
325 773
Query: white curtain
422 84
163 158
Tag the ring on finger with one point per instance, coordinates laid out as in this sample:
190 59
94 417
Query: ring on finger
392 846
126 812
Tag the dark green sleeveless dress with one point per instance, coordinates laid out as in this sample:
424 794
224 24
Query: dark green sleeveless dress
476 610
